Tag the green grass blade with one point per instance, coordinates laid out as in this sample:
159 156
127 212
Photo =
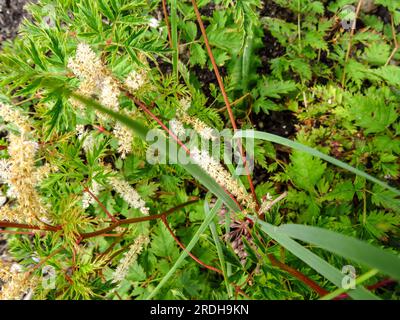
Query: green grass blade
220 253
298 146
359 281
311 259
208 219
347 247
174 36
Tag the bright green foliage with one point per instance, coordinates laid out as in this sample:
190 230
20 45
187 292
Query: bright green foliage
332 107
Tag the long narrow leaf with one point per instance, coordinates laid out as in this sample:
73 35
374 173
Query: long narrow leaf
174 35
315 262
298 146
220 252
347 247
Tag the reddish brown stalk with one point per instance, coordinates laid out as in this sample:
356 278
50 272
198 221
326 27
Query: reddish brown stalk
135 220
86 189
380 284
226 99
239 290
154 117
118 295
164 220
396 44
111 235
102 232
115 242
360 2
101 129
165 12
17 232
6 224
297 274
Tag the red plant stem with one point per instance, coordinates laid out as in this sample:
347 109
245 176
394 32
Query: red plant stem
164 220
6 224
134 220
86 189
165 12
101 129
239 290
377 285
359 5
115 242
111 235
154 117
102 232
297 274
380 284
226 99
17 232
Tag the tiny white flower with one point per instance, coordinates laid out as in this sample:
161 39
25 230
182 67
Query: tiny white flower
177 127
129 258
135 80
221 175
129 194
125 138
154 23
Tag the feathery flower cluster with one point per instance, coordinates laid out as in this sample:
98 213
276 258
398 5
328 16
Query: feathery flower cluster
17 283
125 138
94 79
177 127
22 177
222 176
86 65
199 126
13 115
185 103
129 258
110 93
135 80
129 194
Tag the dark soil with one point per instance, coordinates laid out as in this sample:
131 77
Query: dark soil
208 10
281 123
205 77
271 9
11 14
